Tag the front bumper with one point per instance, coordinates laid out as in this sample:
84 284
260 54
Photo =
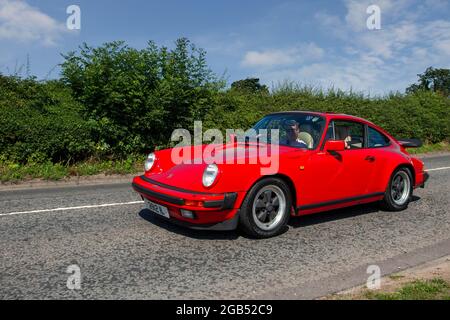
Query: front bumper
227 225
211 210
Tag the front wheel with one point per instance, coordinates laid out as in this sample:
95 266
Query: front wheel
266 208
399 191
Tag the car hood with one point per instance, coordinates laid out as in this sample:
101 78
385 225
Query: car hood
247 159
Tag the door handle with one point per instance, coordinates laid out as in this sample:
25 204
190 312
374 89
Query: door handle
370 158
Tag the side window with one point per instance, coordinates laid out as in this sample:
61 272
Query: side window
377 139
351 132
329 135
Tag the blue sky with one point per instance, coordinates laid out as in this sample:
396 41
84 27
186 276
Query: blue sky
318 43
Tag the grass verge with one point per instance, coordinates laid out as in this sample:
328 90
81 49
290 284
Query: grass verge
427 148
433 289
13 172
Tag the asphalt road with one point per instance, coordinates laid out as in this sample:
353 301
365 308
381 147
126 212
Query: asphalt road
124 252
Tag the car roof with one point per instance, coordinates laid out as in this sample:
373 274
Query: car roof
326 115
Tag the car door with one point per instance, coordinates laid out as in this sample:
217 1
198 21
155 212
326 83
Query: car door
340 175
378 147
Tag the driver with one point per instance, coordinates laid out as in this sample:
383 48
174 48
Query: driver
292 131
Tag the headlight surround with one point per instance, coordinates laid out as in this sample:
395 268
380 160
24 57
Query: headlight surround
148 164
210 175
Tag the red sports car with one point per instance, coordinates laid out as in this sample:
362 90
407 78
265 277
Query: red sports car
323 161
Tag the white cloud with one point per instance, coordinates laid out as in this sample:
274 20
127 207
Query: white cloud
366 74
386 43
328 20
277 57
444 46
350 56
429 6
356 16
375 61
229 44
267 58
21 22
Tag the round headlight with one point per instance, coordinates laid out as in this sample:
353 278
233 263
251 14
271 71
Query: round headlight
210 175
148 165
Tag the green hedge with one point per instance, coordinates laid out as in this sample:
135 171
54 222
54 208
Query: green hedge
41 122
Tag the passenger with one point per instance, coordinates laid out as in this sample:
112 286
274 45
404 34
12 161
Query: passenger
343 133
306 135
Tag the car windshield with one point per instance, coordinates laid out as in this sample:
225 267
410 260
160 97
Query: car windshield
301 130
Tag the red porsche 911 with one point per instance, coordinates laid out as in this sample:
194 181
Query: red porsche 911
319 162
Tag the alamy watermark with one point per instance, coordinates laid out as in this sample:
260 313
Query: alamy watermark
74 280
374 280
373 22
73 21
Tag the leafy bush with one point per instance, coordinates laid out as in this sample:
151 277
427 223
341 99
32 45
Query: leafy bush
40 122
137 97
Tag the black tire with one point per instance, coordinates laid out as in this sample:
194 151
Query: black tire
248 220
389 202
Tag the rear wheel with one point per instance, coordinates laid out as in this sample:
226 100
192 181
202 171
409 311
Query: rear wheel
266 208
399 191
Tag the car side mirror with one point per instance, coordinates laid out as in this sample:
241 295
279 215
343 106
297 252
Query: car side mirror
334 145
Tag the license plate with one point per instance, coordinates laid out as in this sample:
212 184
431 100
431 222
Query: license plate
156 208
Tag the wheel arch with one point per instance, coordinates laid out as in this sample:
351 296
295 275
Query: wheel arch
388 203
404 165
286 179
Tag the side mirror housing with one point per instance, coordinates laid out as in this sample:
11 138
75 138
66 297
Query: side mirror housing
334 145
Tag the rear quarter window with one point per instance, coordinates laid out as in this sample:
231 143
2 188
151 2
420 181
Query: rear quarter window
376 139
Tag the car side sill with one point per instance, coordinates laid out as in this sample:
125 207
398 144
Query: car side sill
340 201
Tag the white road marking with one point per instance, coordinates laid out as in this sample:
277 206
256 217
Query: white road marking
73 208
436 169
